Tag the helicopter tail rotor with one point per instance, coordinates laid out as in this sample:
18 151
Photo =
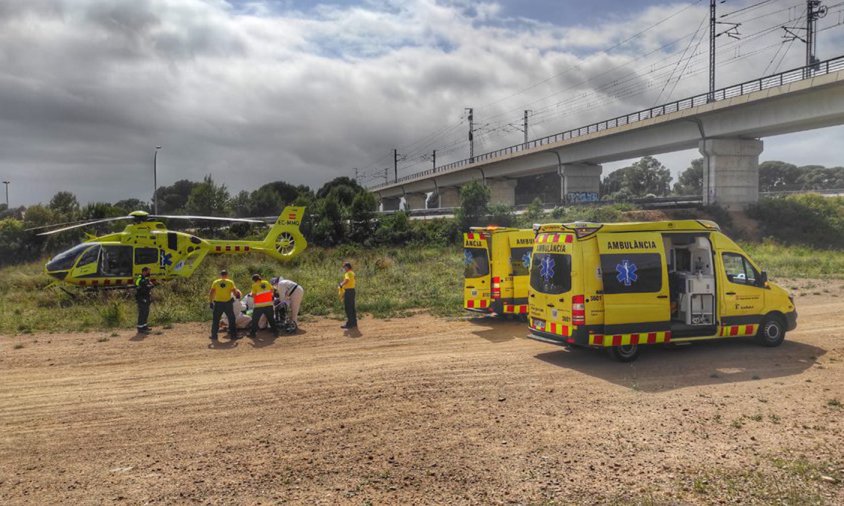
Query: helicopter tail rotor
285 241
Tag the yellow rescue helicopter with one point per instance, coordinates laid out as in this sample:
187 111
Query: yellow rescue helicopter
114 260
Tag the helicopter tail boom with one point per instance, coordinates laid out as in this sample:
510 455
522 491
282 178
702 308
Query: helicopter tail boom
283 242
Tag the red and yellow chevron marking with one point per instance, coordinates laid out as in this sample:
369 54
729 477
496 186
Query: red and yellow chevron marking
739 330
554 238
104 282
220 249
516 309
477 304
626 339
554 328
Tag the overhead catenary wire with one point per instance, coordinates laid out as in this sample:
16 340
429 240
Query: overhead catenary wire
616 87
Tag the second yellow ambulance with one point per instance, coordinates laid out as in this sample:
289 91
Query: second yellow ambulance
496 263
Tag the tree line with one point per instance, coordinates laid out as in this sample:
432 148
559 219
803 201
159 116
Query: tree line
341 211
648 176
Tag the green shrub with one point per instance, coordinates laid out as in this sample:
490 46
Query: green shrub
809 219
113 314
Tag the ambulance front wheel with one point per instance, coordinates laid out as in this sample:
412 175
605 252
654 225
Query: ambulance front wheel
772 332
625 353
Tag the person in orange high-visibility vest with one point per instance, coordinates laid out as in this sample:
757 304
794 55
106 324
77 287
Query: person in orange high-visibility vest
262 295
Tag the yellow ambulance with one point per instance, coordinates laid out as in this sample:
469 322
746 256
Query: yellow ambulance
618 286
496 264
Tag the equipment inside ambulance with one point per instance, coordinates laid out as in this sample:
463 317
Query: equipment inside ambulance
496 270
621 285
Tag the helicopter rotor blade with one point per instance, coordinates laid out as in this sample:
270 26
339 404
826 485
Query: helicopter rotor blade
78 225
65 223
202 218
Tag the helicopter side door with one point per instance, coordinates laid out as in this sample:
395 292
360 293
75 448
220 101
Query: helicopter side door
116 261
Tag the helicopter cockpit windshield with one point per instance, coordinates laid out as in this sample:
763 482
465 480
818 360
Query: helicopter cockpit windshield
65 260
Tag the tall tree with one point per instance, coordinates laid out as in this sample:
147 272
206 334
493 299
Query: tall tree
775 176
208 199
474 204
65 205
690 181
173 199
646 176
362 217
129 205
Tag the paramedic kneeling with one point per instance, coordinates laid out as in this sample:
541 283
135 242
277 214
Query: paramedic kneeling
220 297
292 293
262 294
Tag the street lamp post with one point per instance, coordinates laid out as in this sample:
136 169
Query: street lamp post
7 193
155 181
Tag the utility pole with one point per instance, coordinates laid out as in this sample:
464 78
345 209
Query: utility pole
155 181
712 22
7 194
814 11
434 160
396 165
526 126
386 175
731 32
471 135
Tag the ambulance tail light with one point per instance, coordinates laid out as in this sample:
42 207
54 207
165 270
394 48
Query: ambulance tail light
496 287
578 310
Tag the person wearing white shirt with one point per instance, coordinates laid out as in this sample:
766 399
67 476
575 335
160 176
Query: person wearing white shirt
290 292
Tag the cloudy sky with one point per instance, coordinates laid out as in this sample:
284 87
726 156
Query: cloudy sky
255 91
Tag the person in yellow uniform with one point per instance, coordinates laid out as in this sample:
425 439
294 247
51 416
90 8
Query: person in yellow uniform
348 288
220 296
262 295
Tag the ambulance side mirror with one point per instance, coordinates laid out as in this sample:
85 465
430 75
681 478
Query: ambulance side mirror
763 278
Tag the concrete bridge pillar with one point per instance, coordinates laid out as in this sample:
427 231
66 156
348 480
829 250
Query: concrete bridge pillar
415 201
390 203
581 182
449 196
731 171
502 191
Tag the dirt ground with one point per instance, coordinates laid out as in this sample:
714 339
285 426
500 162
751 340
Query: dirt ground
423 410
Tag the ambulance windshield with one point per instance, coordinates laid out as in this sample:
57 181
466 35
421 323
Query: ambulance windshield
475 262
550 273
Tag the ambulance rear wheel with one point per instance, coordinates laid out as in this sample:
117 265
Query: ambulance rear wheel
772 332
625 353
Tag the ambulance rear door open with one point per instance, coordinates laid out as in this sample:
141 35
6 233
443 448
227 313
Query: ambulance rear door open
476 272
635 285
521 249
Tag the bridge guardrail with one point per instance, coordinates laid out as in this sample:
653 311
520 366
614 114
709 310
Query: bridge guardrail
762 83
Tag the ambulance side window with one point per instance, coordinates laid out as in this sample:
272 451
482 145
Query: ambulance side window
631 273
739 270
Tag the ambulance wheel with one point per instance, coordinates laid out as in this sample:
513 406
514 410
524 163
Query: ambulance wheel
772 332
625 353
